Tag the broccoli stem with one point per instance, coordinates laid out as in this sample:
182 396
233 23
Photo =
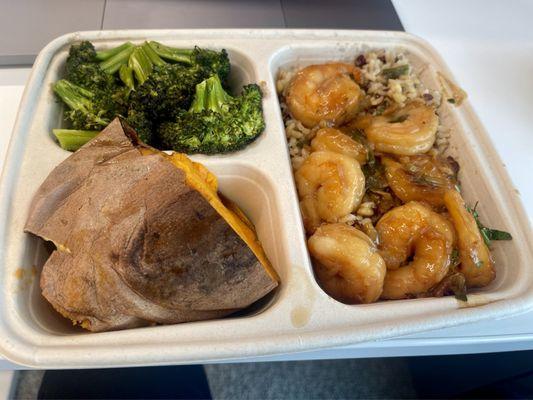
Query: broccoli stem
113 63
76 98
152 55
140 64
171 53
73 139
103 55
210 95
200 97
126 76
218 98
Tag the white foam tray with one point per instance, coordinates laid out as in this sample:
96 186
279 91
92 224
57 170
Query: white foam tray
299 315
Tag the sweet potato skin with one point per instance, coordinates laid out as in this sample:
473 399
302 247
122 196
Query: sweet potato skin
135 244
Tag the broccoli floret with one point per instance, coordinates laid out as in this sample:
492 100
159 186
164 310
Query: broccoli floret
205 62
168 88
118 101
80 54
83 69
141 123
212 63
91 77
216 121
86 109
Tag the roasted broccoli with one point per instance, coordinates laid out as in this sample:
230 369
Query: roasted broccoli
205 62
72 139
87 110
168 89
216 121
83 69
80 54
139 121
148 85
104 55
115 58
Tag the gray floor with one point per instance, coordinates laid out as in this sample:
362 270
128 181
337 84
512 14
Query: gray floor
330 379
26 384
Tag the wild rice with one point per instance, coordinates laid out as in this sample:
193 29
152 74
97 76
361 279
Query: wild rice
380 88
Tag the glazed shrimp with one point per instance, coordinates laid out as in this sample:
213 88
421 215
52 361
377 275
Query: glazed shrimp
408 131
330 186
476 262
325 92
413 229
347 263
331 139
419 178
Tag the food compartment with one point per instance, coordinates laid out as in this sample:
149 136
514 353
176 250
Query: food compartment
464 145
241 183
242 72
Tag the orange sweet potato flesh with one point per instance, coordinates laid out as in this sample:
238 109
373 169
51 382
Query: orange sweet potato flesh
202 180
143 237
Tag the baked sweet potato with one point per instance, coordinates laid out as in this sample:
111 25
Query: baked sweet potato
143 237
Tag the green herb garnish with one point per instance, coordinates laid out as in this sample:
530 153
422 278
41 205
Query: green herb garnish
373 170
488 234
427 180
381 108
454 283
360 137
399 119
374 176
395 72
454 258
420 178
452 101
495 234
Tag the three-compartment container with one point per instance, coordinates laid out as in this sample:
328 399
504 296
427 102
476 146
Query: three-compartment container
298 315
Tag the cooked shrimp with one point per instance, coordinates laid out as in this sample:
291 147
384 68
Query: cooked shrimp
476 262
347 264
361 122
325 92
330 186
311 217
332 139
414 230
407 131
420 178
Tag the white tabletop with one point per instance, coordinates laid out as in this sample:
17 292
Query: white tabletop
488 45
